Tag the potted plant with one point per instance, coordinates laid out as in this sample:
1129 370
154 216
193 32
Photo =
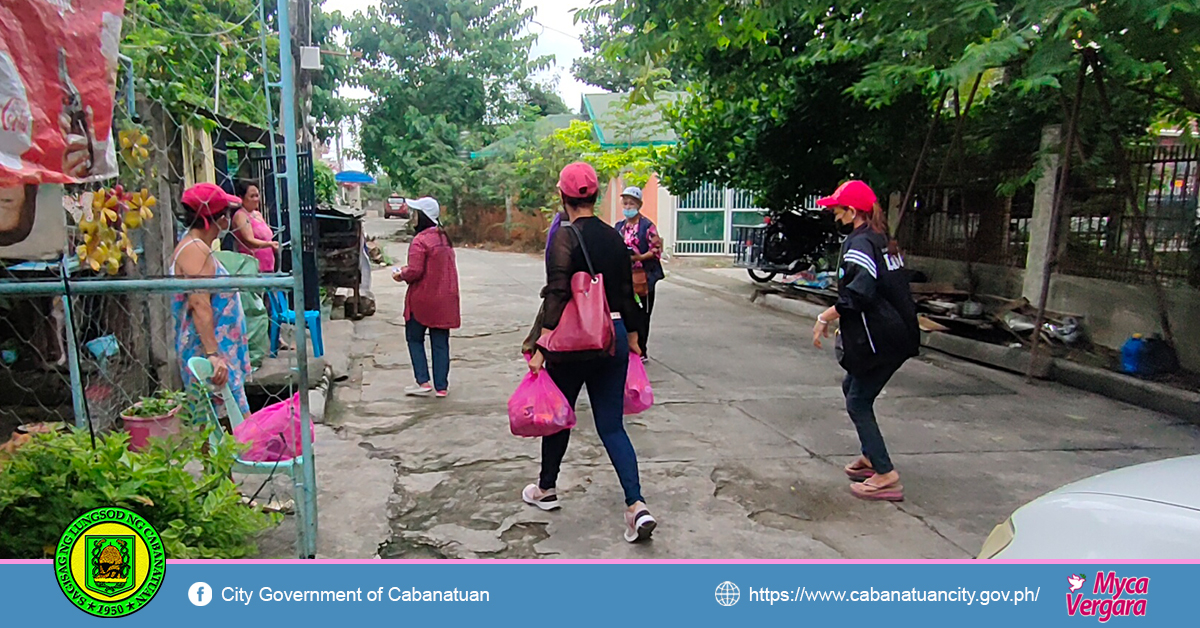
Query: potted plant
153 416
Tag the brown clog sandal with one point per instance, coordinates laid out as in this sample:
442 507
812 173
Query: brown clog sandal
890 493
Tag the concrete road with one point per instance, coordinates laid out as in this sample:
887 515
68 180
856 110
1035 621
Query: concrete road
741 458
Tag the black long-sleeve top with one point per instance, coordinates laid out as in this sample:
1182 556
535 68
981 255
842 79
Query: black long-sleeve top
610 258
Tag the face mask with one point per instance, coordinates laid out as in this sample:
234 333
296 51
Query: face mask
630 213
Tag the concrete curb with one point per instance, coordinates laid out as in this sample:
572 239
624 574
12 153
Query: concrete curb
1181 403
1013 360
319 395
1149 395
790 306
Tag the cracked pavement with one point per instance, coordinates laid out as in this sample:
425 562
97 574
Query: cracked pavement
740 458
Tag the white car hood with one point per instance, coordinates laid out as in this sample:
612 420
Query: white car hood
1165 481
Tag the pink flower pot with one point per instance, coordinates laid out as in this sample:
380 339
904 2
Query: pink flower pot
141 428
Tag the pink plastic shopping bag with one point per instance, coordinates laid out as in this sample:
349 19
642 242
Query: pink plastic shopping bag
638 394
538 407
273 433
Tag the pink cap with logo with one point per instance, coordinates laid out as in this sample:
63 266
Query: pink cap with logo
578 180
853 194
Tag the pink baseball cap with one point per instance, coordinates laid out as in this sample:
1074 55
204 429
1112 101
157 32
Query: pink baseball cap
578 180
208 199
853 194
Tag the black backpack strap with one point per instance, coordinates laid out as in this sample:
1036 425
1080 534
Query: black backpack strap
579 236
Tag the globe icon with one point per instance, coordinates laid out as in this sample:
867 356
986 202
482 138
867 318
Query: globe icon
728 593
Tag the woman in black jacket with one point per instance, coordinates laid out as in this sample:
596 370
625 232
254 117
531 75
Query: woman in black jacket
877 333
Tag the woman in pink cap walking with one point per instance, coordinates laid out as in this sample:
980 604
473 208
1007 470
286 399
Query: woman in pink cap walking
588 245
878 331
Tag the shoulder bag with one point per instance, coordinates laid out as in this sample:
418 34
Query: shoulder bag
586 324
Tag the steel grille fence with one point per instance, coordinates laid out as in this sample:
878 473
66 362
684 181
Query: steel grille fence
1103 238
969 224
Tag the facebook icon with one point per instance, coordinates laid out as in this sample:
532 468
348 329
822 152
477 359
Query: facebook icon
200 594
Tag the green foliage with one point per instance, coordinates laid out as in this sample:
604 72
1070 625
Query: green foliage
53 479
324 182
788 98
614 74
161 404
445 74
329 109
174 45
537 165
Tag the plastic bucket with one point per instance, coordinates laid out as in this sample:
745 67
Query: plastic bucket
141 428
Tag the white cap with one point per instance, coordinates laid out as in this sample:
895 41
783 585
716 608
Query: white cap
426 205
633 192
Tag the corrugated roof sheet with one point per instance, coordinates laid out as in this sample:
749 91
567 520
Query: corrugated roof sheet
604 111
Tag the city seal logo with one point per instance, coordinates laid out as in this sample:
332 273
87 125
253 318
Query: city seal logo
110 562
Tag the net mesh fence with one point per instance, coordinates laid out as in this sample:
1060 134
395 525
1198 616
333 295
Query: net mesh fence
196 101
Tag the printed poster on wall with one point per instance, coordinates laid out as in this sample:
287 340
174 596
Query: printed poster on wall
58 74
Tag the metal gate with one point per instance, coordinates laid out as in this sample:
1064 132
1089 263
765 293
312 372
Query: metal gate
705 219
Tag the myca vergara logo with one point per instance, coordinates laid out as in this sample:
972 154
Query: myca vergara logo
110 562
1112 596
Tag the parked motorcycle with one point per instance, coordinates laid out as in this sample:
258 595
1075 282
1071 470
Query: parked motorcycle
788 242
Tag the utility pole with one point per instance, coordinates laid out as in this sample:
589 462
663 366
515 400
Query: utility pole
301 30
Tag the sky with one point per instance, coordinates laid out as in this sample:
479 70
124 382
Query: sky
557 35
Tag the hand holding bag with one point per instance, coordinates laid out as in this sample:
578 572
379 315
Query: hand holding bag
639 396
538 407
586 323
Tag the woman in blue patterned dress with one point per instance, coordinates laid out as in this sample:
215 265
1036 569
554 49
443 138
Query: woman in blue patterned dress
209 324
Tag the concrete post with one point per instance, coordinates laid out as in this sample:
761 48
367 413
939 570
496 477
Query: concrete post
1040 246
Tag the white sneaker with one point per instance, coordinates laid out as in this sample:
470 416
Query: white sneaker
639 525
546 500
419 391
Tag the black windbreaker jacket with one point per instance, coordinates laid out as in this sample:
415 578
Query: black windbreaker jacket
878 324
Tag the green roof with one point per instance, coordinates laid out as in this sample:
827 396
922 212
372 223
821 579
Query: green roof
644 125
542 127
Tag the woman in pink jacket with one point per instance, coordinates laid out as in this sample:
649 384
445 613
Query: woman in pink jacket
432 301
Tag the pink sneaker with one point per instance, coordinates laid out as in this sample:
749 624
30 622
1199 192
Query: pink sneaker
442 394
546 500
639 525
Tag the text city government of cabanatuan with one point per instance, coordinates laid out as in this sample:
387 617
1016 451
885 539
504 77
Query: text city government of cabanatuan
392 594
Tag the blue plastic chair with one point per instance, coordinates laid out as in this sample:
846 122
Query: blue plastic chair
281 315
306 502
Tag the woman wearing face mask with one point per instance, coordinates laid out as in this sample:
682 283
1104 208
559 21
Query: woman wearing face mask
877 333
209 324
253 234
645 246
432 300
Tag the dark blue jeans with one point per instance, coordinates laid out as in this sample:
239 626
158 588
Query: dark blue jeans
605 381
861 390
414 332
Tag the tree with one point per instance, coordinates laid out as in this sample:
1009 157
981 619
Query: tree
758 115
790 97
175 44
329 109
595 68
444 73
544 100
